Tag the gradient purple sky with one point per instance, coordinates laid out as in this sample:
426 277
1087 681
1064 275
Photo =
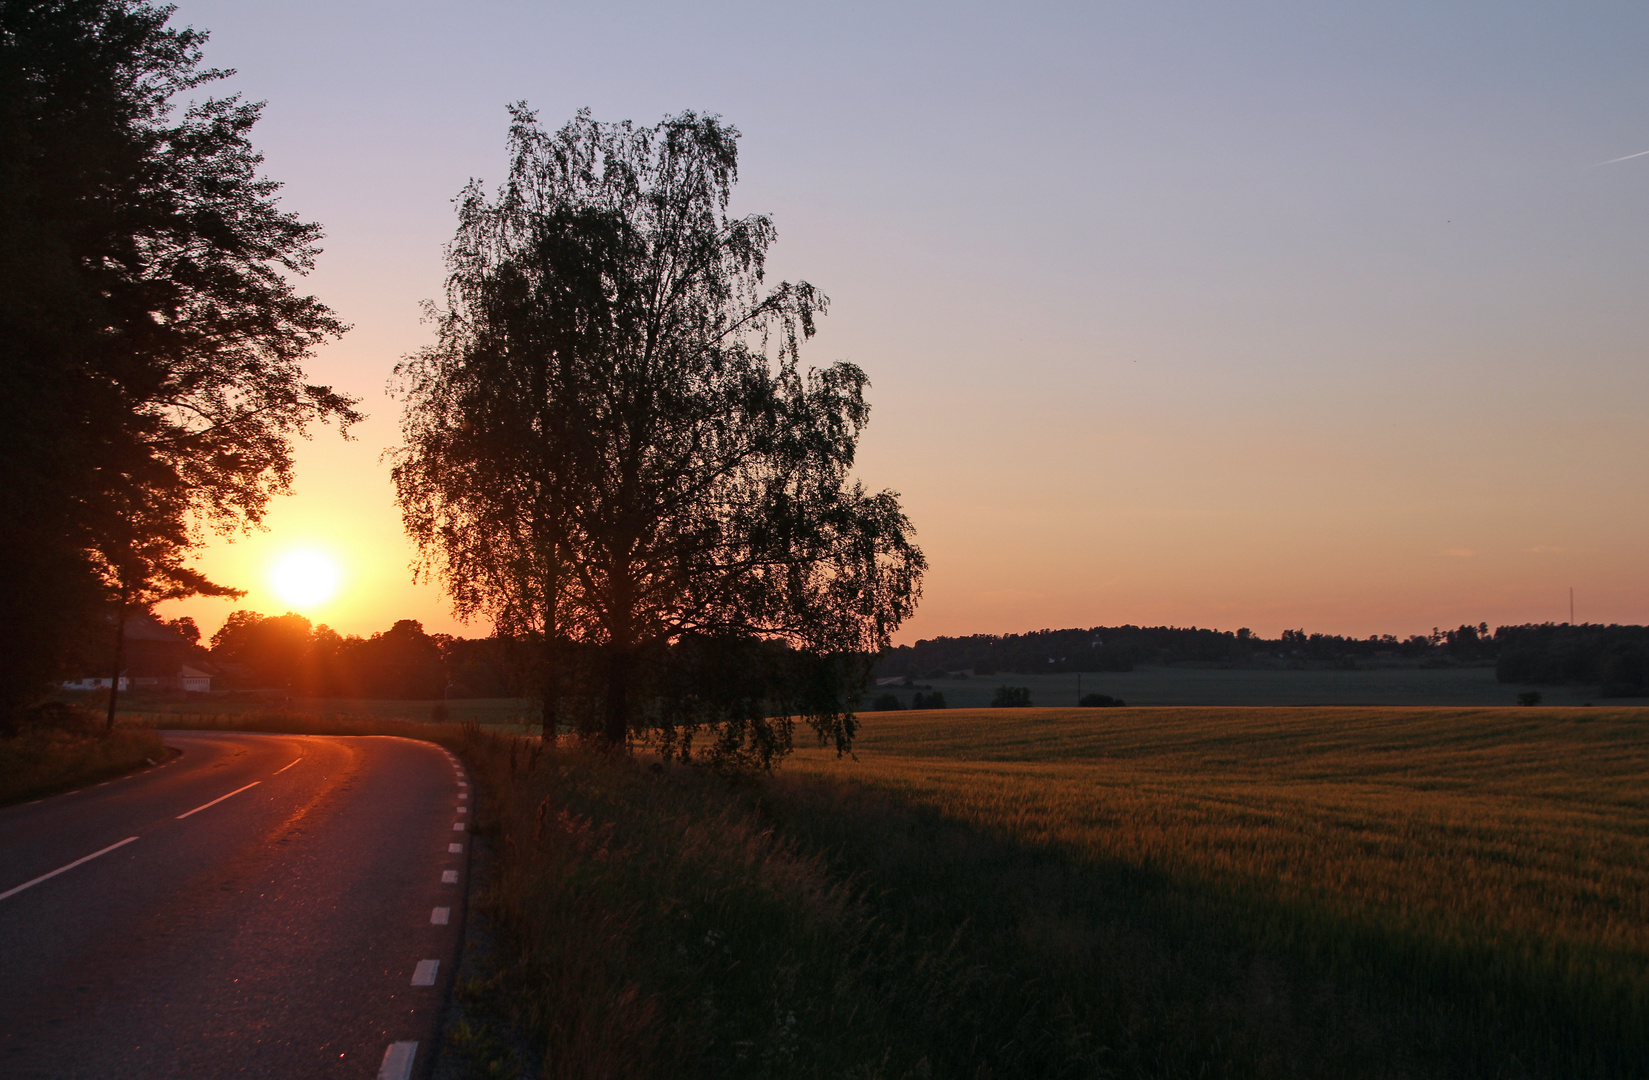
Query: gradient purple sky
1267 315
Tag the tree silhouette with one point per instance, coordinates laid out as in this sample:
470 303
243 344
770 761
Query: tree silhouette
613 447
150 383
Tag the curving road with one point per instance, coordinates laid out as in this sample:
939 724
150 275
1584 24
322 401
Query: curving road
260 906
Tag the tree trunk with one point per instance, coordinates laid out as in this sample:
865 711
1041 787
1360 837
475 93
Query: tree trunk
616 721
551 720
114 683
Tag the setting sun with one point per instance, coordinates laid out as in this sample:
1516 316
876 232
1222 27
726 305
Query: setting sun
305 578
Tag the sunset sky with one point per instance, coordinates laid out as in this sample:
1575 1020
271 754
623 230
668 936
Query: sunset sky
1266 315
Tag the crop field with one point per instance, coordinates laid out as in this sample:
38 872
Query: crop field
1468 887
1181 684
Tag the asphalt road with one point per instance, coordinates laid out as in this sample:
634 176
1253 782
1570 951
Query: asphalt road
260 906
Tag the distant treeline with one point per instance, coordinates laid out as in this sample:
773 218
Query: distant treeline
1121 648
284 652
1614 657
287 652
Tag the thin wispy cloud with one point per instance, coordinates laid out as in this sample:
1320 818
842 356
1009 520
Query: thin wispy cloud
1628 157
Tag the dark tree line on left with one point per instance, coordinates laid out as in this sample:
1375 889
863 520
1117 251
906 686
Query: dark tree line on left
151 347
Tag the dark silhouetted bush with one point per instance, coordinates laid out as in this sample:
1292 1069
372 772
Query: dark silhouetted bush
886 703
1011 697
935 700
1101 701
1529 697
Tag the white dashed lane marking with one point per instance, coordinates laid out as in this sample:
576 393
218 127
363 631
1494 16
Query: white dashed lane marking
219 799
61 869
439 916
285 767
458 826
449 877
398 1061
463 809
424 973
463 794
455 849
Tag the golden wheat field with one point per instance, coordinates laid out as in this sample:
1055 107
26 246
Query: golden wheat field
1516 836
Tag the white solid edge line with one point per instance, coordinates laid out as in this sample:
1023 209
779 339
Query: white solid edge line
219 799
439 916
398 1061
285 767
60 869
424 973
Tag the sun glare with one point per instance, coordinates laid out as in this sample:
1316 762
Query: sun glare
305 578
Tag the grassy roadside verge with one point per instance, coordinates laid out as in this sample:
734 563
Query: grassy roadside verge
46 762
671 925
295 723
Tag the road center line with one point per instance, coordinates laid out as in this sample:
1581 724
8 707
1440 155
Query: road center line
285 767
219 799
60 869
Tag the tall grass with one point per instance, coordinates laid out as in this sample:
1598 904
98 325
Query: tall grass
47 761
652 924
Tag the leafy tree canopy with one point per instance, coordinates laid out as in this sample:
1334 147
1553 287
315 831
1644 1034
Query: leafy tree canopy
613 447
150 379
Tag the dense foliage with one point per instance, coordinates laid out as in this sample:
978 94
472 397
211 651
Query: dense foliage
613 449
150 379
